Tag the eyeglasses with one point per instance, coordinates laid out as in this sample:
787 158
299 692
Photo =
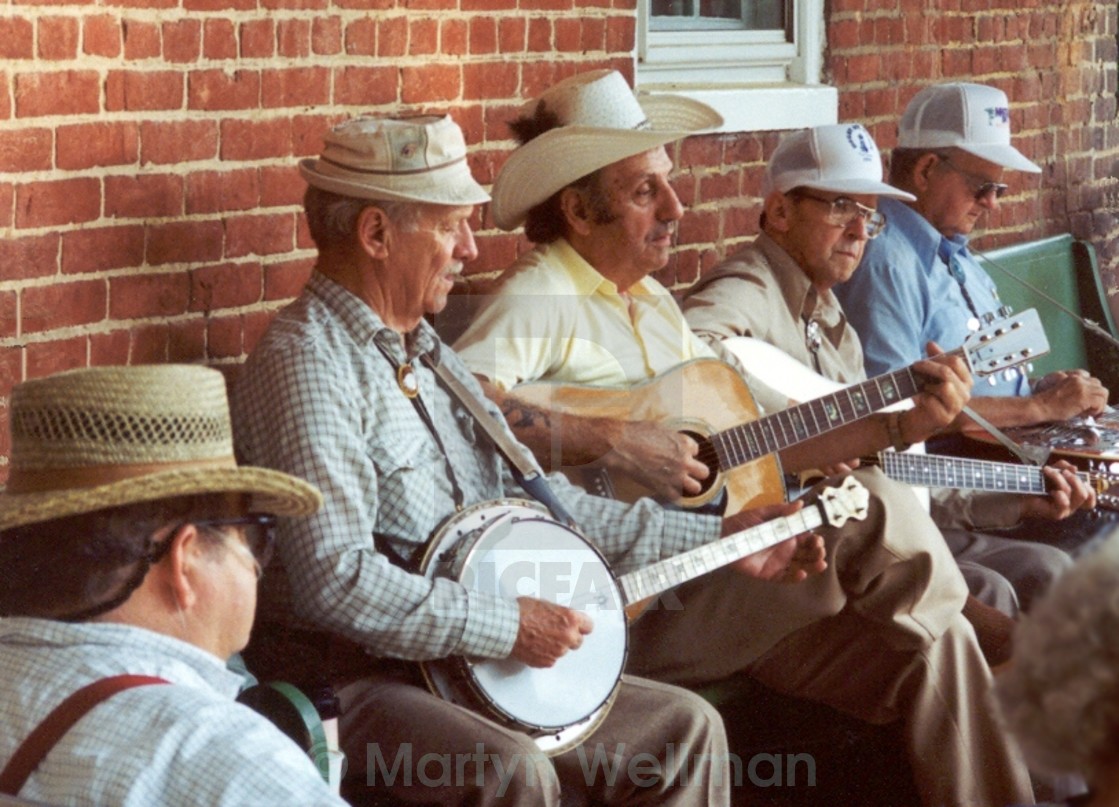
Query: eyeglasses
842 211
980 188
259 532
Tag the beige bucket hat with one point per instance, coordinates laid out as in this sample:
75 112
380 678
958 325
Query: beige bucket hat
421 158
601 121
103 437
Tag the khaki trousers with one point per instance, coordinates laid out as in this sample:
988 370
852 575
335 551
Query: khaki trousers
659 745
879 635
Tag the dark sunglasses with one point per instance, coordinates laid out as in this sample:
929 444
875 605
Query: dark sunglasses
980 188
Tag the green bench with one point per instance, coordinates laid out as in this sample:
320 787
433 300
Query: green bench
1066 269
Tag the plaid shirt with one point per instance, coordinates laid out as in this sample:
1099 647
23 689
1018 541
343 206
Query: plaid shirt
185 744
318 399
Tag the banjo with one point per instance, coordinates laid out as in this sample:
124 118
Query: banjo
513 548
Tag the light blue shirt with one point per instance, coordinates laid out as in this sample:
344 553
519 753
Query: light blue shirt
187 744
904 295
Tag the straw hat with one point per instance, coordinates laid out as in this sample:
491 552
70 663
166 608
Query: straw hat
836 158
971 117
600 122
103 437
407 159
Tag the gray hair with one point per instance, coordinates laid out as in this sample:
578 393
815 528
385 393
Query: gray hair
1060 696
332 218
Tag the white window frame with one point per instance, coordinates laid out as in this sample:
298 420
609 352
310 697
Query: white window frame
755 79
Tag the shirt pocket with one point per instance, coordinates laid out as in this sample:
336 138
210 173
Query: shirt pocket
412 482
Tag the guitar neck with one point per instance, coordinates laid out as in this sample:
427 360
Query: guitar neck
941 471
663 575
772 433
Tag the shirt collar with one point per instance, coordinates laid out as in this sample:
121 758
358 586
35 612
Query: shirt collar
588 280
365 325
926 240
797 290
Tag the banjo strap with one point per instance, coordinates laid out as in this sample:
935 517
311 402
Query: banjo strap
524 470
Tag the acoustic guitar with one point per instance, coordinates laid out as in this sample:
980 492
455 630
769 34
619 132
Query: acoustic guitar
709 401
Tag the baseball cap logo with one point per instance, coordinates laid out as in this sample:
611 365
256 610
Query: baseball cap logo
860 141
997 115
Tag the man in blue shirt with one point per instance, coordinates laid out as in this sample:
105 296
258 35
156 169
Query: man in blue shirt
918 281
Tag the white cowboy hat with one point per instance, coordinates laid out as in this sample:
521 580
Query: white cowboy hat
600 122
406 159
102 437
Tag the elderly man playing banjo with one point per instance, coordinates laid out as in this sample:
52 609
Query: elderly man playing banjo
350 388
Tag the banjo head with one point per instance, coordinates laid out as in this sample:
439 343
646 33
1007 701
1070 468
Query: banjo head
512 549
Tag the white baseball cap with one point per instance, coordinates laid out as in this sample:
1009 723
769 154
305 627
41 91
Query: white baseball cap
971 117
839 158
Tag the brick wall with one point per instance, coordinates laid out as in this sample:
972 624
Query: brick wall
149 203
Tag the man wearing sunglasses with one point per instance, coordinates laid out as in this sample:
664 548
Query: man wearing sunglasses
919 281
822 187
131 543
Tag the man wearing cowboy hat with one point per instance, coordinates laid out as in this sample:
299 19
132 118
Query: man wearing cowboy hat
342 389
131 543
821 192
920 282
590 180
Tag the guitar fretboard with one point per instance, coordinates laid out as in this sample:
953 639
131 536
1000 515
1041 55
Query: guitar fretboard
938 471
748 441
663 575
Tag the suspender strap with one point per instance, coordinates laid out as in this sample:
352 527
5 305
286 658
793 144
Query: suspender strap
40 742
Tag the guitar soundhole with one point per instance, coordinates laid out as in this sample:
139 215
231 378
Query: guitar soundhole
708 457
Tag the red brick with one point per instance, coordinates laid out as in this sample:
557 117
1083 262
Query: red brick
69 92
481 80
415 6
5 95
149 344
365 86
141 39
62 305
453 37
430 84
326 36
568 34
101 36
217 90
223 337
255 140
143 90
25 150
255 323
483 35
305 5
184 242
34 256
54 202
170 142
307 133
258 39
9 311
58 37
149 295
259 235
144 196
86 145
109 348
186 341
226 285
219 39
540 36
100 248
17 37
293 38
48 358
281 186
7 204
392 37
295 87
592 35
219 191
361 37
621 35
182 41
423 37
283 281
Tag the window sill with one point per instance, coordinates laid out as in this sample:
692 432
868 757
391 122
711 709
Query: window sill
773 107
